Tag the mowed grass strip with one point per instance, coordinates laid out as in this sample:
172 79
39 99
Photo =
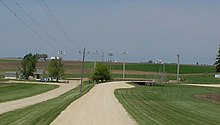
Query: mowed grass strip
43 113
22 90
169 105
201 79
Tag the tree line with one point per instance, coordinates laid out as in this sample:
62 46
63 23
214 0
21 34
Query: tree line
56 69
29 61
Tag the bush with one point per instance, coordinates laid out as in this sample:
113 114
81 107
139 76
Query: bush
101 74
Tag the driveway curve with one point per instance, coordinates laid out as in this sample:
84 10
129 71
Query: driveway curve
97 107
21 103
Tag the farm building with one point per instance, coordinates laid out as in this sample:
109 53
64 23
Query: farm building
38 73
10 75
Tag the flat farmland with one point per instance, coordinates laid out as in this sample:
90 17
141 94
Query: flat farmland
136 70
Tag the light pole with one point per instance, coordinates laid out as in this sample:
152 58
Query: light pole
178 68
164 74
96 54
124 53
103 56
60 53
162 69
110 60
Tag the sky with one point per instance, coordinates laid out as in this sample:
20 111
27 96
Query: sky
145 29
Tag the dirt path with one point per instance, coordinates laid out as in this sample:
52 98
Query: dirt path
205 85
16 104
97 107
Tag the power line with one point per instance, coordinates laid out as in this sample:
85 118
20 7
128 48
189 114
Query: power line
59 24
28 26
50 14
46 11
37 23
34 21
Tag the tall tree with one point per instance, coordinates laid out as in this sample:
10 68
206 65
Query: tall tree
217 63
28 65
56 69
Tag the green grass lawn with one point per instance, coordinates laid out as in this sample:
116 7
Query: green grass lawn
169 105
43 113
201 79
22 90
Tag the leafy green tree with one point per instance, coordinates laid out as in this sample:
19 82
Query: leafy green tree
28 65
101 73
56 69
217 63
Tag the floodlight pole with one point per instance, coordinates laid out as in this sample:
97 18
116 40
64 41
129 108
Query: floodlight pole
110 60
82 69
124 53
60 53
103 56
124 71
95 62
164 72
178 68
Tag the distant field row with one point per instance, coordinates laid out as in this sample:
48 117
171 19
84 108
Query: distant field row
169 68
73 68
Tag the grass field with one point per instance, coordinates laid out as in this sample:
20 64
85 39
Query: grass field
170 68
170 105
201 79
43 113
10 92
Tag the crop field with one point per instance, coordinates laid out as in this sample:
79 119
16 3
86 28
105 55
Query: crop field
137 70
170 105
170 68
43 113
10 92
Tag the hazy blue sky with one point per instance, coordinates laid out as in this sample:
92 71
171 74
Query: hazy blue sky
146 29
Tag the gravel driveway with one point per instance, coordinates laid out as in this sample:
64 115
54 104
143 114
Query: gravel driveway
21 103
97 107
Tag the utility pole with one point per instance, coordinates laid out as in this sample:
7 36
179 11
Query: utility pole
96 54
164 72
124 53
110 60
178 68
82 69
103 56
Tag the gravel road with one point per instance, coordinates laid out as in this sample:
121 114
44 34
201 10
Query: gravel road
97 107
21 103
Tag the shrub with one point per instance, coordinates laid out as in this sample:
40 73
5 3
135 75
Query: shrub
101 74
